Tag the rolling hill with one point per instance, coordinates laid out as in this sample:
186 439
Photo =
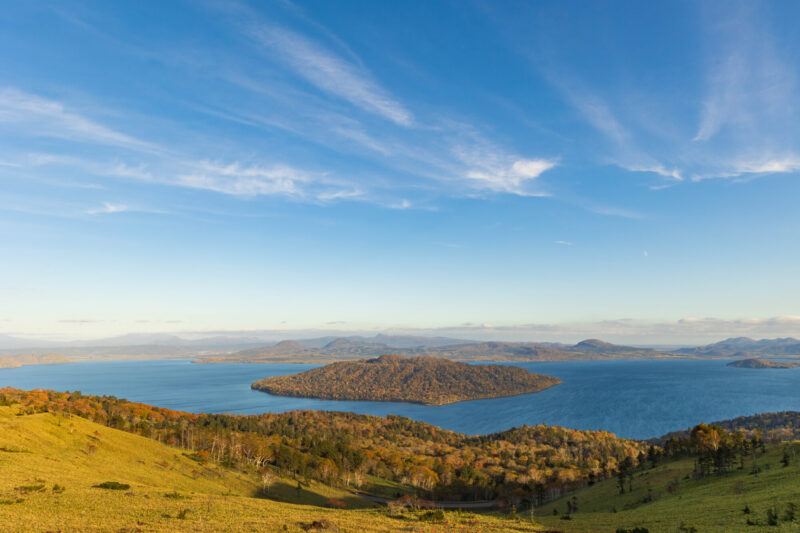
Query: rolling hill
393 378
746 347
60 474
343 348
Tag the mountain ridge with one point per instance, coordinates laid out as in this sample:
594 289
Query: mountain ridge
343 348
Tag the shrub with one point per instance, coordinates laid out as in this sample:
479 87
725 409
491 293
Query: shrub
772 517
336 504
432 516
112 485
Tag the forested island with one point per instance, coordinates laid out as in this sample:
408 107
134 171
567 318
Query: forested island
393 378
762 363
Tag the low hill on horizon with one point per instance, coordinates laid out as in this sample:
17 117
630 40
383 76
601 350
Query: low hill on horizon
761 363
746 347
343 348
393 378
16 361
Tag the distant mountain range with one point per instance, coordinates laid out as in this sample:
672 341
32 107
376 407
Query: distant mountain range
744 346
252 349
343 348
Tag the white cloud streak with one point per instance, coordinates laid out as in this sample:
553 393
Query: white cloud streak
237 180
331 73
107 208
34 115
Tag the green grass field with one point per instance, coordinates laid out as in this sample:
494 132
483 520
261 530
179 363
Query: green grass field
50 464
712 504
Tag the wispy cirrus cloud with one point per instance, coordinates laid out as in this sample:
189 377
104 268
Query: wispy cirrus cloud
746 119
107 208
238 180
34 115
510 179
330 72
748 84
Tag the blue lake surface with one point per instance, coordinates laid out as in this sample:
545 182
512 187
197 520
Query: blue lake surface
635 399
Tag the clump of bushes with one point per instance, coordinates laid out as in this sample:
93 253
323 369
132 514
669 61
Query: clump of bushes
319 525
432 516
26 489
112 485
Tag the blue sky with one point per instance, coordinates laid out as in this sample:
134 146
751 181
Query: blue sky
525 170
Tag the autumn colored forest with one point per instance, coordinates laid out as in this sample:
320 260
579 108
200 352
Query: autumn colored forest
343 449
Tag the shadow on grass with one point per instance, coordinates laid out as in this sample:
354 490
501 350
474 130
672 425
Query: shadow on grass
305 495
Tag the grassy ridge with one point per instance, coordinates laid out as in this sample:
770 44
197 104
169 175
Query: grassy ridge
51 465
669 496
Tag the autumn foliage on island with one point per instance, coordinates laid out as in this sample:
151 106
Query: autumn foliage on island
394 378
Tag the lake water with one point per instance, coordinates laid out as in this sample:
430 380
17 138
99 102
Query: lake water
635 399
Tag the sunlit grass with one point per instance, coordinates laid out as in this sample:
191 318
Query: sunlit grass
51 467
711 504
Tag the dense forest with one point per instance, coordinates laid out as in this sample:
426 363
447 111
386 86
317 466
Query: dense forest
344 449
395 378
772 427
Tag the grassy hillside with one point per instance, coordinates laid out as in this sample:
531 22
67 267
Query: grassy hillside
51 466
425 380
668 496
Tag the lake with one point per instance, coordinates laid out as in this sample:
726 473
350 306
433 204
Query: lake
635 399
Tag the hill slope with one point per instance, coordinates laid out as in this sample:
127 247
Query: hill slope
669 496
51 465
394 378
744 347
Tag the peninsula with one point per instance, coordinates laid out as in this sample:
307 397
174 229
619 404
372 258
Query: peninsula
762 363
